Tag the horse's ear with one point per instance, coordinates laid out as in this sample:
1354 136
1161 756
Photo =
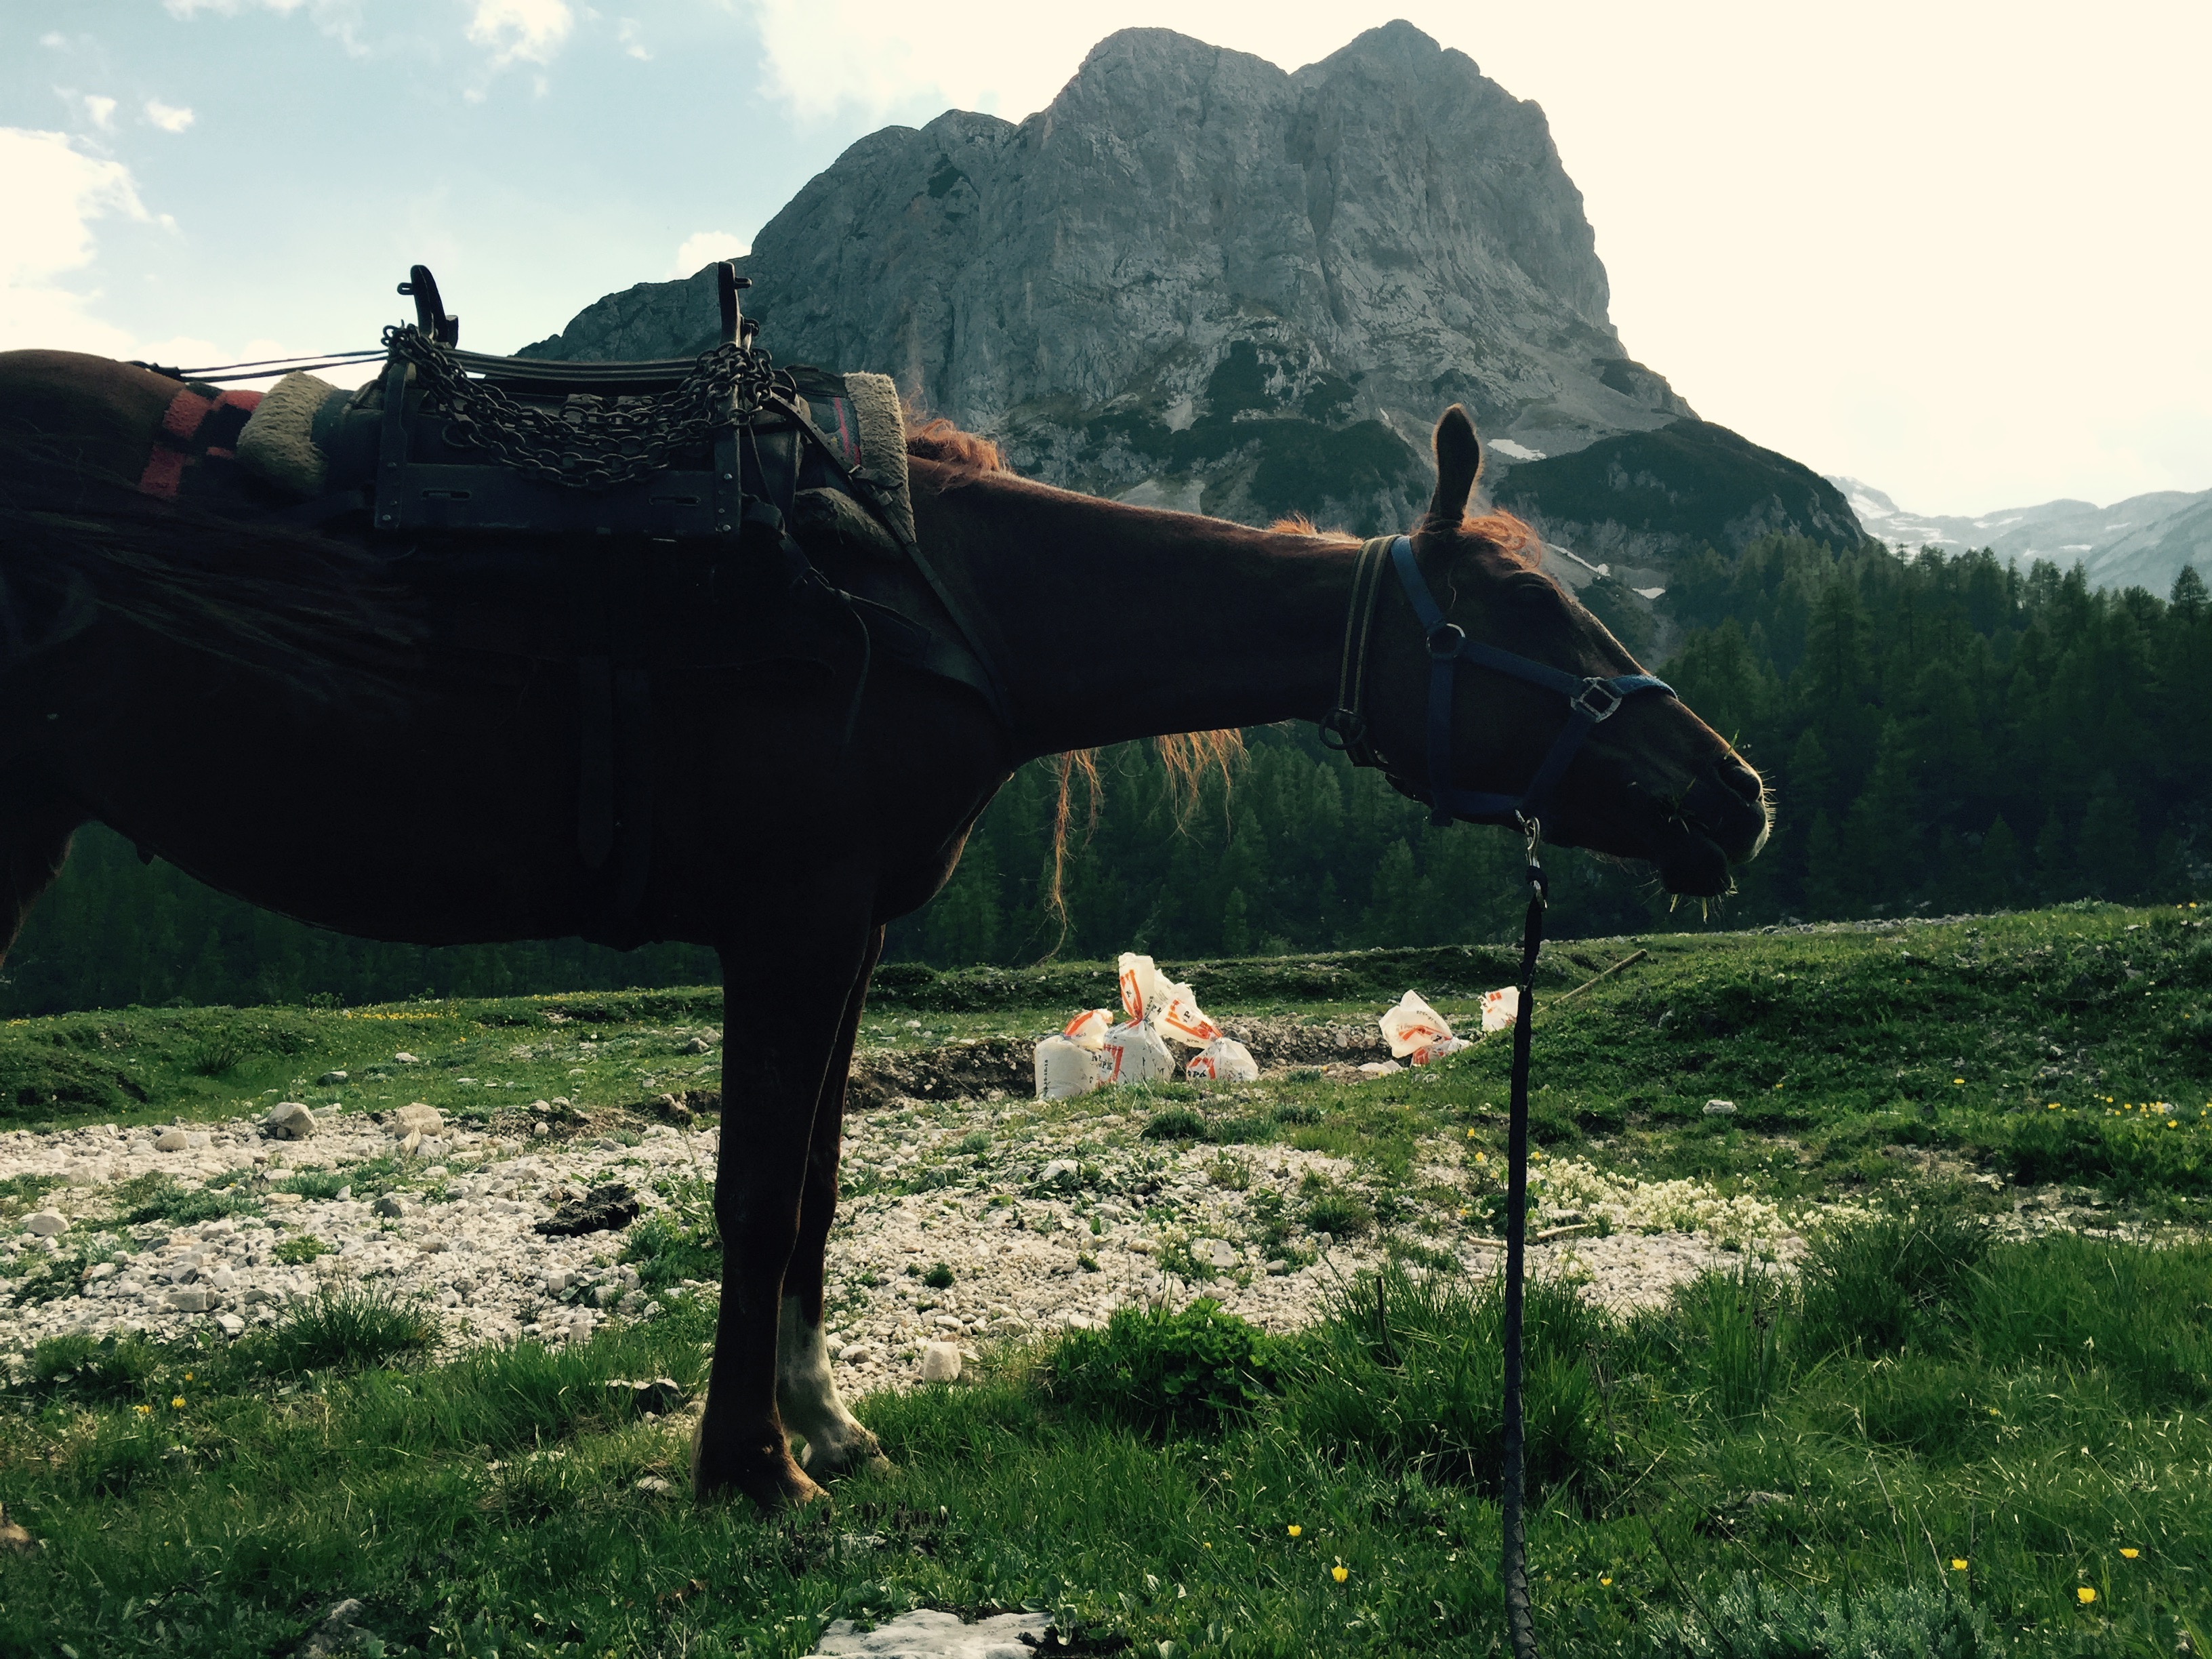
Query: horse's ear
1459 462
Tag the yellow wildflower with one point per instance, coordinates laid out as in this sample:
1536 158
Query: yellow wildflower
1482 1158
2130 1554
1958 1563
179 1402
1296 1529
1958 1080
1339 1573
1605 1581
143 1411
2085 1595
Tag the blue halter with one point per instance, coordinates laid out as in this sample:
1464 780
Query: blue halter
1590 701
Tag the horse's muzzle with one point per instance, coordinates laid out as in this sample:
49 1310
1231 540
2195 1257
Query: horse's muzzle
1719 820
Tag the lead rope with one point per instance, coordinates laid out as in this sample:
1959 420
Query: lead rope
1520 1628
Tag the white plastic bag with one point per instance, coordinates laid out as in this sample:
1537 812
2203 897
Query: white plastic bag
1178 1016
1438 1049
1225 1060
1088 1028
1066 1069
1149 995
1414 1025
1500 1008
1139 979
1135 1053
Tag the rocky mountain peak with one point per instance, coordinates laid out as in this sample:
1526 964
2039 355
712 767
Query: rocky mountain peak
1197 280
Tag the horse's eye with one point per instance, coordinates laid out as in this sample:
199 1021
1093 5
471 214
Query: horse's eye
1527 587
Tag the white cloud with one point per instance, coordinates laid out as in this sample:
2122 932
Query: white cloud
631 38
341 20
55 39
702 247
167 117
224 8
100 112
525 31
50 195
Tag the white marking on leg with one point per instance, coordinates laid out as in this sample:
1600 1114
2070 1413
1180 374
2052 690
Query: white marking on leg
807 1397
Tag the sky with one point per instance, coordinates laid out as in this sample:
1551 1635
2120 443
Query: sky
1960 252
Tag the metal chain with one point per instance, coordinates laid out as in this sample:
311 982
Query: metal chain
592 442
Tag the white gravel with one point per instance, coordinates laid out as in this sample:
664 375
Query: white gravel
1067 1215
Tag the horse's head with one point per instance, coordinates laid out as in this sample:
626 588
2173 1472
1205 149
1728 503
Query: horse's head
1650 782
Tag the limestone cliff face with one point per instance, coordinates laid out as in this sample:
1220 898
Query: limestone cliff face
1199 278
1197 282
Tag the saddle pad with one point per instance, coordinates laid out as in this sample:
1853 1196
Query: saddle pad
860 418
202 422
278 444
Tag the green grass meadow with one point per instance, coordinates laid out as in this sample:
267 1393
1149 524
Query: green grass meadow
1976 1420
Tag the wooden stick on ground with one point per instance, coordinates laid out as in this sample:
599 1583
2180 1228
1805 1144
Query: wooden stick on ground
1625 962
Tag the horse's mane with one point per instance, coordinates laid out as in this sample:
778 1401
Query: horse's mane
77 542
939 440
1502 531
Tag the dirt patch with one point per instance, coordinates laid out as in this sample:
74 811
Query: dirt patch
1286 1041
967 1070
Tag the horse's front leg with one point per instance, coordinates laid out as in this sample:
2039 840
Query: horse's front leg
805 1391
786 993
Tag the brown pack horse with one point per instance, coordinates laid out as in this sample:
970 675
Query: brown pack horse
266 711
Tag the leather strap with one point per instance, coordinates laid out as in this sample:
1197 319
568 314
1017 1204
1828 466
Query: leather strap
1345 727
1590 701
1520 1625
863 490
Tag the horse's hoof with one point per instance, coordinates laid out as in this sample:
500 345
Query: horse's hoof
768 1476
772 1490
861 1454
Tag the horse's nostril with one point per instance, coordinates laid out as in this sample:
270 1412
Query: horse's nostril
1740 780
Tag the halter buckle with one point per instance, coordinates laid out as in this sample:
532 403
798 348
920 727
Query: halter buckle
1447 639
1598 700
1343 731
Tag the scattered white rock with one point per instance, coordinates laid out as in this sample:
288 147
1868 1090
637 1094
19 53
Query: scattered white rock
46 1223
925 1633
416 1118
1720 1108
290 1120
172 1141
330 1079
940 1362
